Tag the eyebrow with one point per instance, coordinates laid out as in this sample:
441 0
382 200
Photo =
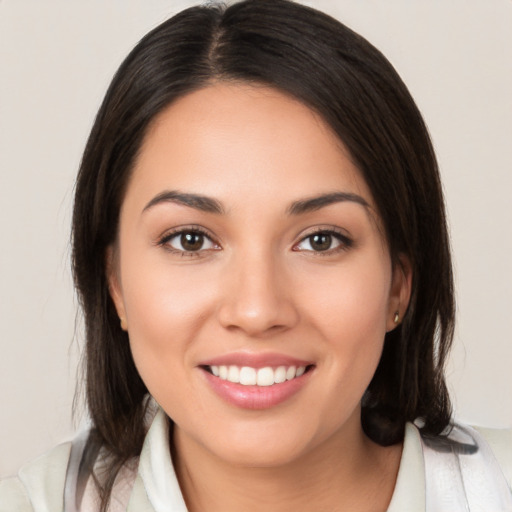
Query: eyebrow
210 205
316 203
196 201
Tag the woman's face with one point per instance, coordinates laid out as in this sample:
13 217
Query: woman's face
253 275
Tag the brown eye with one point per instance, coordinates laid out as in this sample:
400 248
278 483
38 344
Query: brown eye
321 242
324 241
191 241
188 241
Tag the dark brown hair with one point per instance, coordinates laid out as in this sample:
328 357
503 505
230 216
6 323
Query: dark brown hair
337 73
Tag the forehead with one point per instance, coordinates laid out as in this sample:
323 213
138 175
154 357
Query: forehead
241 140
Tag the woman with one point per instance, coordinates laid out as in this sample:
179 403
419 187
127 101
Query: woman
260 246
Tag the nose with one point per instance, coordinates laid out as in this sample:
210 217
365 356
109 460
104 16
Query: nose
257 298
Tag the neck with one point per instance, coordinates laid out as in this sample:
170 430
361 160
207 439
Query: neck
346 472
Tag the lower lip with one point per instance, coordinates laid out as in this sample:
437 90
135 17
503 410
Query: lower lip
256 397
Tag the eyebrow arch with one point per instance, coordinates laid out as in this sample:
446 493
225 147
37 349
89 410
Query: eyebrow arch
316 203
196 201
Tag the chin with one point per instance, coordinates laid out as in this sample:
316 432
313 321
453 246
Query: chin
253 455
262 444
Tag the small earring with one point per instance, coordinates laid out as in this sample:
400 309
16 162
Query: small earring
122 321
396 318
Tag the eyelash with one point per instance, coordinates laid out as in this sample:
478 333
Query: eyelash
345 242
193 230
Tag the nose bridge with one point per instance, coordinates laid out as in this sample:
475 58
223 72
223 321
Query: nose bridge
257 299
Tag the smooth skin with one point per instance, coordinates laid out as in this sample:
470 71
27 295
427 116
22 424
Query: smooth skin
246 271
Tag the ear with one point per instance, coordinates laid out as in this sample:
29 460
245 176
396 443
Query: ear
114 286
400 292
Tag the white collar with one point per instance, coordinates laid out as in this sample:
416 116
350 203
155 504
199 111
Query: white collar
409 493
156 469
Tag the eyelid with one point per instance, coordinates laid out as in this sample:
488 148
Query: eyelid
346 241
163 240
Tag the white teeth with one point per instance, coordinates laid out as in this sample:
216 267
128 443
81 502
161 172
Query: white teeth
247 376
266 376
280 375
233 374
290 373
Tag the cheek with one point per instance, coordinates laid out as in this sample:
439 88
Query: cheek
160 293
166 306
350 312
352 298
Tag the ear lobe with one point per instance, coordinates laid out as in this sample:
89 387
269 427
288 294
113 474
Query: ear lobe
114 287
400 292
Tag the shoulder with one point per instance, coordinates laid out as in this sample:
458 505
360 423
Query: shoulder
39 484
470 468
500 442
13 496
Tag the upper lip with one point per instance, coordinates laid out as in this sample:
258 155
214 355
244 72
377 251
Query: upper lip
255 360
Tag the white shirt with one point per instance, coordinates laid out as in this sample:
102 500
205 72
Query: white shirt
153 487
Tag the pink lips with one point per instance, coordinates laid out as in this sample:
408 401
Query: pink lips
255 360
255 397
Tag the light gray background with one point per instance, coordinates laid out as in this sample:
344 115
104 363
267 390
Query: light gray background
56 59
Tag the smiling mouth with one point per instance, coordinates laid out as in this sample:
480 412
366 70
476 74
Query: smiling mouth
264 377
